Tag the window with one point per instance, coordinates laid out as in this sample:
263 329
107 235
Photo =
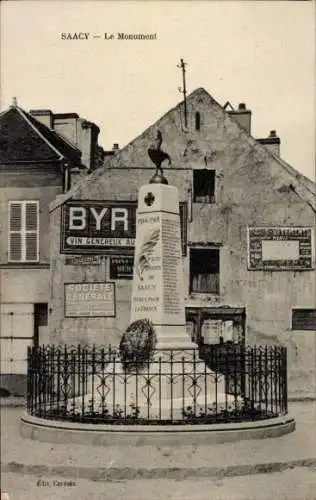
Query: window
304 319
23 231
40 322
204 186
197 121
204 271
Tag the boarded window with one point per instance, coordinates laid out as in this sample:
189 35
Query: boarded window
204 186
304 319
23 231
204 271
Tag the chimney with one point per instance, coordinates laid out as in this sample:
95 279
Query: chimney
14 102
87 142
242 115
66 125
115 147
272 143
44 116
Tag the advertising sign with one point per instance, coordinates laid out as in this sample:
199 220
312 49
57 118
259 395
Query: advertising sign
89 300
121 268
279 248
104 227
87 260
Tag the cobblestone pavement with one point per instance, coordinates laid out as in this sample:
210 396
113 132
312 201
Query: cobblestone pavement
295 484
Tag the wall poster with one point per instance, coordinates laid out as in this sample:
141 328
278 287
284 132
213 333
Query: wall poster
280 248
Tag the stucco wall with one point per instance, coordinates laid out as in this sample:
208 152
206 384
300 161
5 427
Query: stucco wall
23 283
28 184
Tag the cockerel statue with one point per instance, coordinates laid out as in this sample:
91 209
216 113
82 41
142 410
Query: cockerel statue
156 155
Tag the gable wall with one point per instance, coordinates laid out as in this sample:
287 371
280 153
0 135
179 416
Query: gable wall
252 189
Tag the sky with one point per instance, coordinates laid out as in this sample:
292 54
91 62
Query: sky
261 53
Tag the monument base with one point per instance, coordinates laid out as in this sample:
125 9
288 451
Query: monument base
172 337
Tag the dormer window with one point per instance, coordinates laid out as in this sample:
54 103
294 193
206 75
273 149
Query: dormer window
204 186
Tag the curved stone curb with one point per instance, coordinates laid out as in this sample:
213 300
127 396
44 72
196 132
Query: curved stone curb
59 432
299 398
130 473
13 402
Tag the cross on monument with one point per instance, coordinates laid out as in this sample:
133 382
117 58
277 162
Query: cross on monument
149 199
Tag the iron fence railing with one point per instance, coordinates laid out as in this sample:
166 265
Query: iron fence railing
232 383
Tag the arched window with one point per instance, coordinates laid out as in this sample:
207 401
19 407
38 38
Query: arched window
197 121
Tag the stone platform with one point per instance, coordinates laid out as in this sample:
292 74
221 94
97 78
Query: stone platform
59 432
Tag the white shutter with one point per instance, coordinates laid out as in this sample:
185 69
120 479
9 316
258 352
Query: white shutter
15 247
15 231
31 216
23 231
32 231
31 247
15 217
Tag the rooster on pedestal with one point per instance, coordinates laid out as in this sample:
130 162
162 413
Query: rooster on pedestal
156 155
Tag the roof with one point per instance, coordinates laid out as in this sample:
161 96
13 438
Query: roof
24 139
300 184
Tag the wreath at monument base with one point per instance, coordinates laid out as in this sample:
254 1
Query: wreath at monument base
137 345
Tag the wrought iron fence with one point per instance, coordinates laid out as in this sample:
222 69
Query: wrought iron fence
232 383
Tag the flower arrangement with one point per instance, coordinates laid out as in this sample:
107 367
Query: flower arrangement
137 345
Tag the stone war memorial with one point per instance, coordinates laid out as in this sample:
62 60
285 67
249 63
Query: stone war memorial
154 386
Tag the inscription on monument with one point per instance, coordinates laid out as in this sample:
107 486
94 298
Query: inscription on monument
170 236
147 264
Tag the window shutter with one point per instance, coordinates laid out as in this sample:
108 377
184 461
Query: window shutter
31 228
31 246
15 217
15 237
31 216
15 247
23 231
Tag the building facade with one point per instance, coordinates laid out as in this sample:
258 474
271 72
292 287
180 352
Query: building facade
41 154
247 222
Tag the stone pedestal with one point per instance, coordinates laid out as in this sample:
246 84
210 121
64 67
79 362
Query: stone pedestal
158 288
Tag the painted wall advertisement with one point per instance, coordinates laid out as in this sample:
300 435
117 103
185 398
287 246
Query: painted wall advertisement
104 227
280 248
89 300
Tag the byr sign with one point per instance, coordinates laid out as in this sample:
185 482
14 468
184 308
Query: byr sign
104 227
98 227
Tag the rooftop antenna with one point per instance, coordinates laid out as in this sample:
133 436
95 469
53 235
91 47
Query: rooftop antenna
183 91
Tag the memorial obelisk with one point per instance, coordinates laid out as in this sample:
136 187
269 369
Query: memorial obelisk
158 296
158 285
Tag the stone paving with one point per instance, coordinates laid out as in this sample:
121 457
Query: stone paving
230 471
294 484
295 449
